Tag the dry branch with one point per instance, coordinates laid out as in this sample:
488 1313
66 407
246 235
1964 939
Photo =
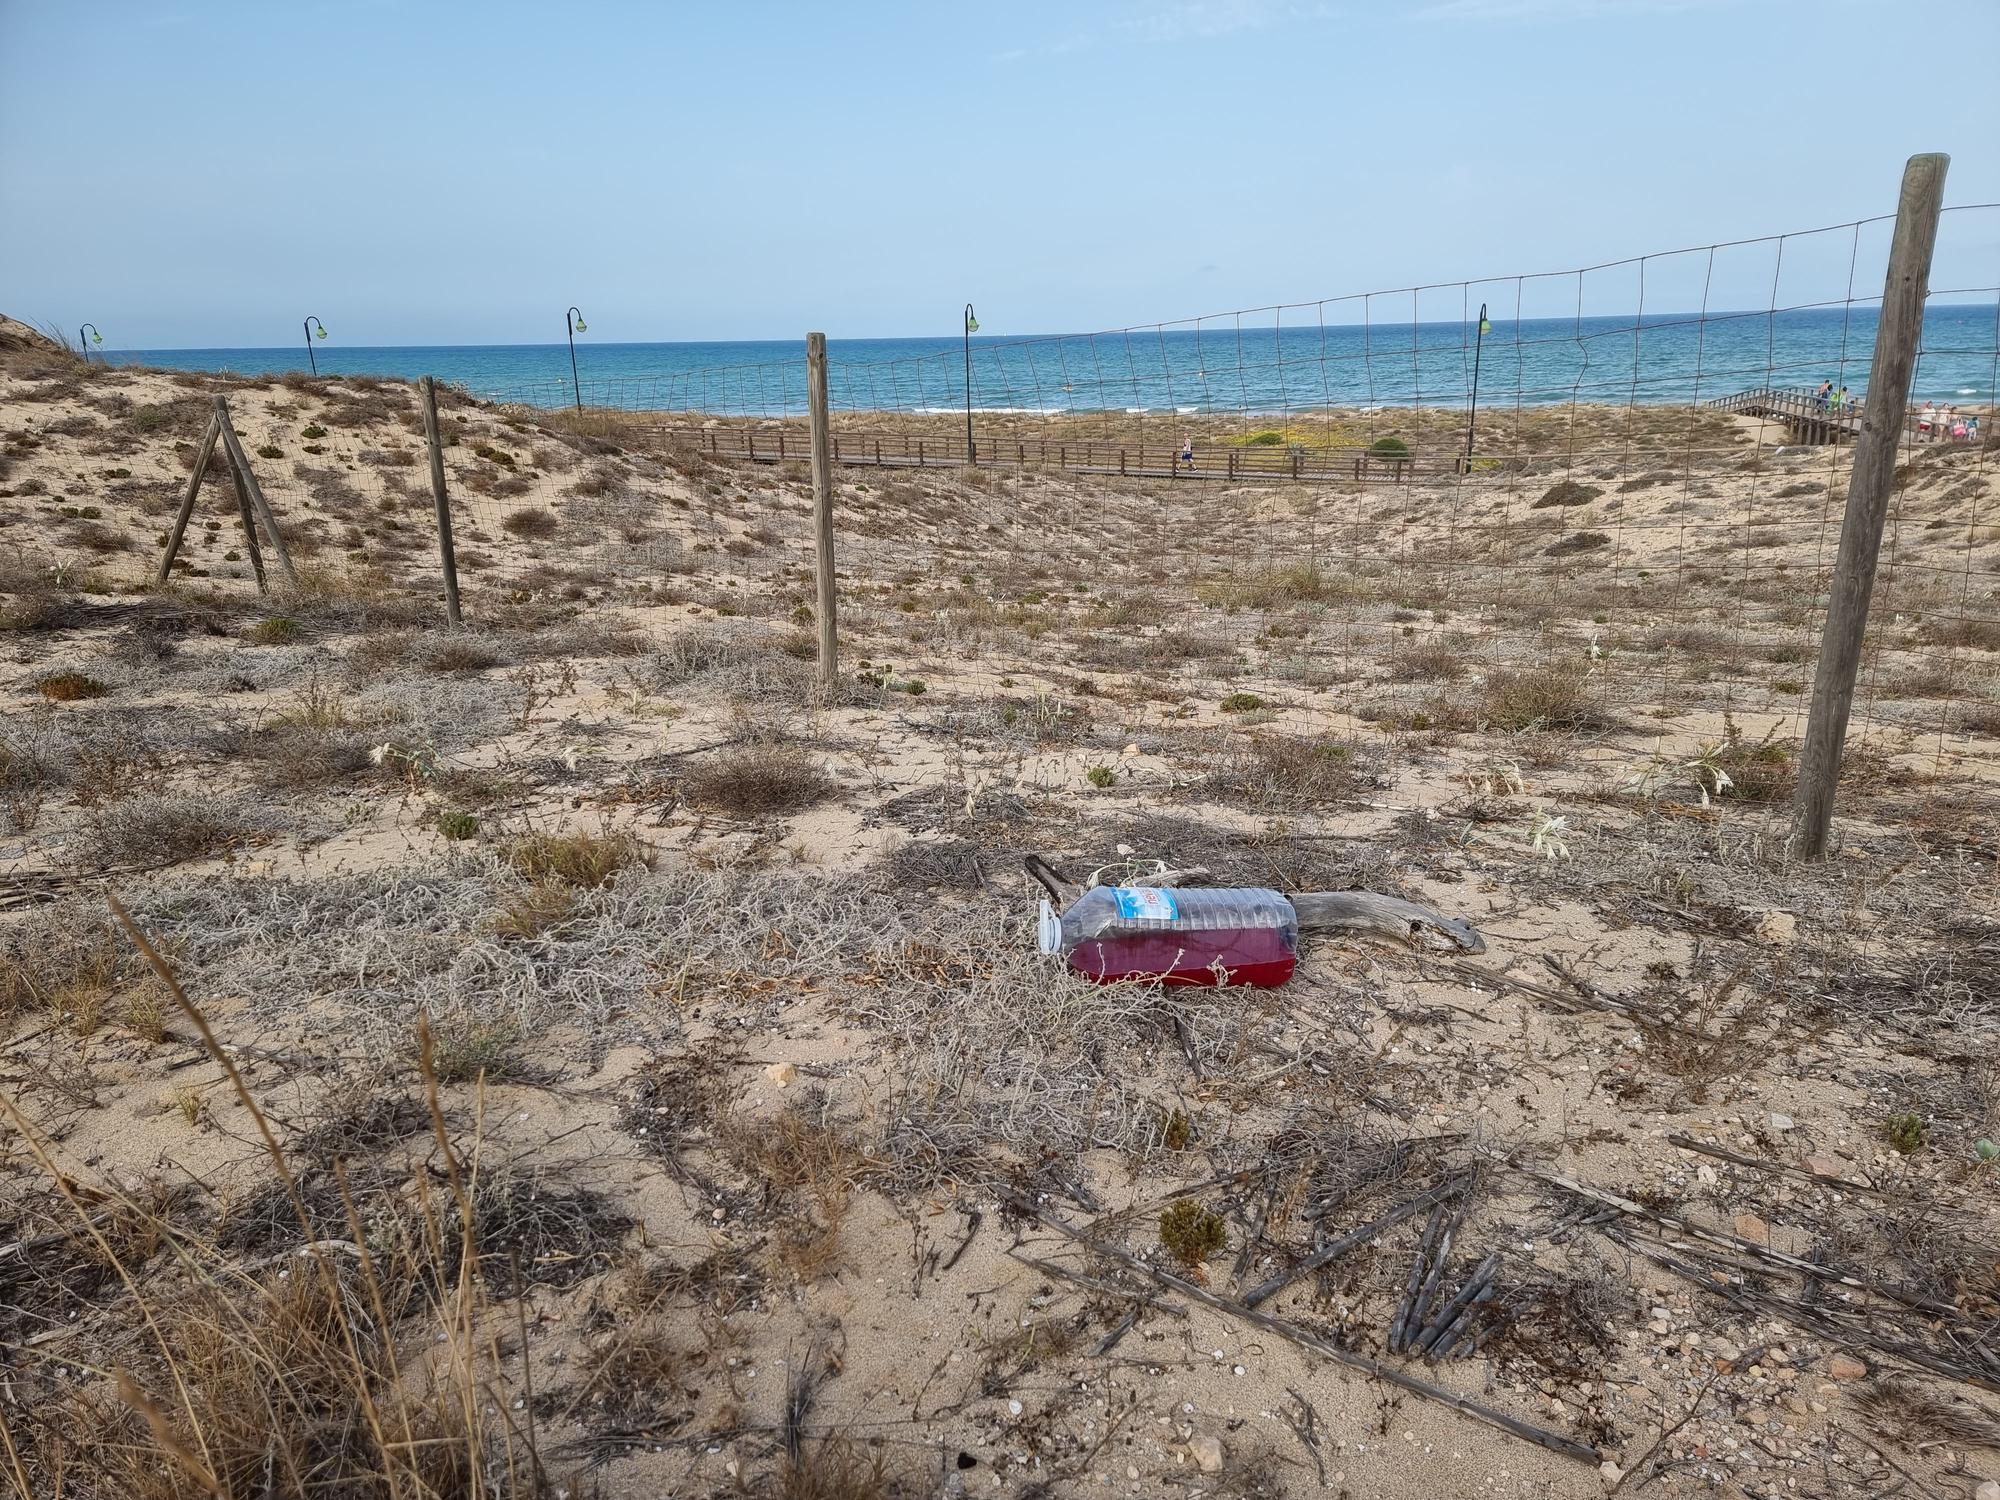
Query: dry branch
1555 1442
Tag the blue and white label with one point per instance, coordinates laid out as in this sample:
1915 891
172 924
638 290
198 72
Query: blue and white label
1146 903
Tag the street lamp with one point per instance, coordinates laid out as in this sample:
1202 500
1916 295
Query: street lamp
95 338
573 321
314 328
1478 348
971 327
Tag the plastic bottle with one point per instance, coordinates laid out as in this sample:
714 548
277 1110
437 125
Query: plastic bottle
1182 937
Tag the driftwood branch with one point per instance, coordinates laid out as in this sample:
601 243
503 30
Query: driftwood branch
1555 1442
1327 1254
1319 911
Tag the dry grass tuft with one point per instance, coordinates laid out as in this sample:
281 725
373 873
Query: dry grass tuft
833 1468
1552 697
1567 492
1287 771
69 687
772 776
532 523
1427 661
580 859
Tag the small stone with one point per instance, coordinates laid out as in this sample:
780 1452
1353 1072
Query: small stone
1611 1472
1206 1450
1705 1175
1775 927
1845 1367
1822 1166
781 1073
1988 1489
1752 1228
1131 1471
1014 1408
1782 1123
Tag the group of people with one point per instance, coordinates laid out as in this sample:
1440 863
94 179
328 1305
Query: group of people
1941 423
1829 399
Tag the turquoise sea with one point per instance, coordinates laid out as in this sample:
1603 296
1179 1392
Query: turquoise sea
1270 363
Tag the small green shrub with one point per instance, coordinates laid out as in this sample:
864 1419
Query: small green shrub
1389 447
1905 1133
1100 776
462 1051
151 418
1268 438
532 523
270 450
1575 542
312 431
1191 1233
277 630
456 825
1567 492
1241 703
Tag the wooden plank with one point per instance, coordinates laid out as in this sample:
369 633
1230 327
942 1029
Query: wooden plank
201 459
447 554
1869 487
242 496
248 486
822 483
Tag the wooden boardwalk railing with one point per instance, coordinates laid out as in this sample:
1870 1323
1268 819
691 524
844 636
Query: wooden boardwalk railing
1802 410
1136 460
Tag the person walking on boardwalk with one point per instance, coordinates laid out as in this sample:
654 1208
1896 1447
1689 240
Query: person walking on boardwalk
1187 451
1926 420
1823 393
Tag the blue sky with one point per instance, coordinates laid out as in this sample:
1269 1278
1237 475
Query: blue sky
206 174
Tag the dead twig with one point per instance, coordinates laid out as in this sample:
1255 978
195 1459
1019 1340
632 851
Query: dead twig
1555 1442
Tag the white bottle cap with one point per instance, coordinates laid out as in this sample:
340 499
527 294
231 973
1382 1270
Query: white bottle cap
1048 929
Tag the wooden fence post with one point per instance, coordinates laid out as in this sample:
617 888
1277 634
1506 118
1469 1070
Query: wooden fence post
447 554
822 482
1873 480
250 495
201 458
242 488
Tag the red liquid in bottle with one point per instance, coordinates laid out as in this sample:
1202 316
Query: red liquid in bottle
1260 956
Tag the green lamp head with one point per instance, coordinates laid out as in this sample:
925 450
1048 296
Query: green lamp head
971 323
581 326
320 331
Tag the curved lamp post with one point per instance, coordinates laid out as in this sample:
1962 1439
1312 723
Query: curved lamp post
313 326
573 321
95 338
1478 348
971 327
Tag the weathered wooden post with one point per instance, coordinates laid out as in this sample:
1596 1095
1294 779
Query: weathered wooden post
251 502
201 458
822 482
1873 480
447 554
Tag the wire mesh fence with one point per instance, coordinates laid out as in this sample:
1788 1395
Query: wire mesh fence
1607 497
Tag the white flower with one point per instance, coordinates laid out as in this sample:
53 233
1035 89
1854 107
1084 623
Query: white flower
380 753
1595 649
1545 836
570 755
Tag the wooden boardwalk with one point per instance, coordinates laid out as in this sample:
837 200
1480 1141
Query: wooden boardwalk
1135 460
1810 419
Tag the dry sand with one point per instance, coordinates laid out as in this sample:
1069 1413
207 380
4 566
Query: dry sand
791 1094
